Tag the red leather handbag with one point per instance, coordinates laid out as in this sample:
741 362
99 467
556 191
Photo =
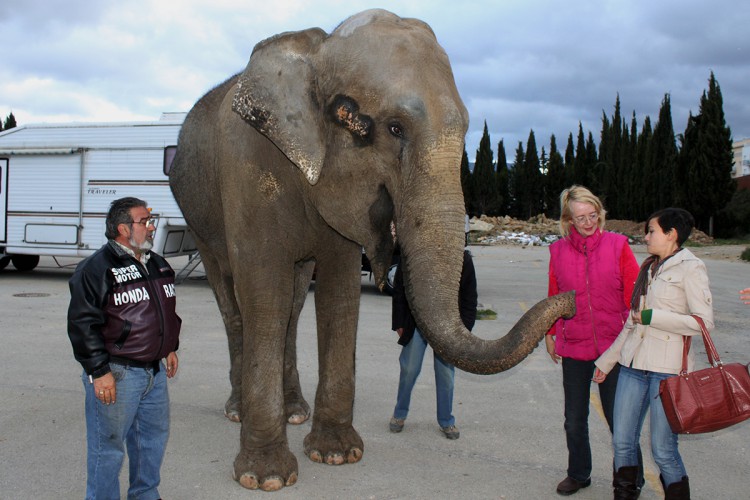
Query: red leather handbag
706 400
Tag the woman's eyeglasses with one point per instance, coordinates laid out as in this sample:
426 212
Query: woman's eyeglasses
581 219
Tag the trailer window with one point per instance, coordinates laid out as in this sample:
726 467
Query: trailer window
169 153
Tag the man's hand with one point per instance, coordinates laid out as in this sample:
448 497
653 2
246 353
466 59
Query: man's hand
172 364
104 388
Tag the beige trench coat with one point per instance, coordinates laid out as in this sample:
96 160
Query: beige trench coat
679 289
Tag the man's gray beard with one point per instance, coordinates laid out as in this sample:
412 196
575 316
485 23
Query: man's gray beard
145 246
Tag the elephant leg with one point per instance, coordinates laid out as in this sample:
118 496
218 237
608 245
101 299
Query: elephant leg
223 288
296 408
266 298
333 439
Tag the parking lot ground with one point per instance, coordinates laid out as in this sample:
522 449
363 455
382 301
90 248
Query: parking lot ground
512 444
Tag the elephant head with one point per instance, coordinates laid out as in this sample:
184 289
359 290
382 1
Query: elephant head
372 117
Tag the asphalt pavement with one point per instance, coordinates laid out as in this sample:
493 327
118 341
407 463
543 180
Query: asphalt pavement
512 444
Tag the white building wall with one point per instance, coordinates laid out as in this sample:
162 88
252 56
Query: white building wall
741 156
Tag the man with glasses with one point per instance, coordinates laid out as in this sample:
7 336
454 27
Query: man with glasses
122 323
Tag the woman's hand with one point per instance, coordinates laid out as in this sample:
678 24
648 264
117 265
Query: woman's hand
549 340
635 317
599 376
745 295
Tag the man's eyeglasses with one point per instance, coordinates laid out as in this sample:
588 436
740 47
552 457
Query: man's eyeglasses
152 221
581 219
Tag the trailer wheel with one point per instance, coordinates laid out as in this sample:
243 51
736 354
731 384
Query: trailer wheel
4 261
25 263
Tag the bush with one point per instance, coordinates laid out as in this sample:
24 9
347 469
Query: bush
733 221
486 314
745 254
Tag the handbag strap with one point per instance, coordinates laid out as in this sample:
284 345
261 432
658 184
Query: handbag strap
711 352
686 341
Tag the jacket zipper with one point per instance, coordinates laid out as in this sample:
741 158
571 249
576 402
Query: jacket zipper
155 293
588 296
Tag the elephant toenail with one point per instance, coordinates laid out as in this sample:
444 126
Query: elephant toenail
292 479
354 456
273 483
297 418
335 459
249 481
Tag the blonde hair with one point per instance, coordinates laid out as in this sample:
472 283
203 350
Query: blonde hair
581 195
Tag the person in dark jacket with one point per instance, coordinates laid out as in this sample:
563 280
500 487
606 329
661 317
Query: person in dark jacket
414 346
122 323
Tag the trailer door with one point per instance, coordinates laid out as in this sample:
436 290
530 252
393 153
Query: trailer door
3 199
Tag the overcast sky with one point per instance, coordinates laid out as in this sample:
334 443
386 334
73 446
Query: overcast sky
519 64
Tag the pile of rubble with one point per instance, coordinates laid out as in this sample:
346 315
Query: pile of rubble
541 231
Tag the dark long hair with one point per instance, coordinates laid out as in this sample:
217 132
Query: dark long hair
668 219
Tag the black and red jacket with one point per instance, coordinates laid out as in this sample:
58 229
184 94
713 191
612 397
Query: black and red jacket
119 309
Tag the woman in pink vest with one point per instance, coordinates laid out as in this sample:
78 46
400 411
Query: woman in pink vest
601 268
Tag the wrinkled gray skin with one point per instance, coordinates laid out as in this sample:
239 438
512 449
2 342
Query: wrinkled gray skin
302 159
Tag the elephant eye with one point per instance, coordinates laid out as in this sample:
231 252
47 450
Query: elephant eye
396 130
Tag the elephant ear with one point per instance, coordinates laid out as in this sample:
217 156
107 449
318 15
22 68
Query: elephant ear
276 95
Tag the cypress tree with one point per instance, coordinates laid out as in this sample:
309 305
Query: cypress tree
594 174
10 122
625 177
642 175
605 141
570 158
580 176
555 180
484 188
501 177
515 183
613 162
543 169
663 159
531 200
706 159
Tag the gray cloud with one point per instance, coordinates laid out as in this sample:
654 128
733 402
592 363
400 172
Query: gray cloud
519 65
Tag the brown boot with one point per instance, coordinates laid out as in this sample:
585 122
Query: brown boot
678 491
625 483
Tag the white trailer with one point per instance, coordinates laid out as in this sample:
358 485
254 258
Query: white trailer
57 182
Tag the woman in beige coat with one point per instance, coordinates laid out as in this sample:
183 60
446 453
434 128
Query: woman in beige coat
671 287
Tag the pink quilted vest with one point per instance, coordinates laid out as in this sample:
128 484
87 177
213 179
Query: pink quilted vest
591 267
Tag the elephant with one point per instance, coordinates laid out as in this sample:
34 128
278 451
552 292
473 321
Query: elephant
301 160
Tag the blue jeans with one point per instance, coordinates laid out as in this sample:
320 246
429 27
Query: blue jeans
139 419
412 355
577 377
637 390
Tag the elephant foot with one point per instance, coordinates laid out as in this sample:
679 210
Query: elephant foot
269 469
297 412
334 446
232 410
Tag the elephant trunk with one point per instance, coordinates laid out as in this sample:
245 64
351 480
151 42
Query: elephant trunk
432 242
